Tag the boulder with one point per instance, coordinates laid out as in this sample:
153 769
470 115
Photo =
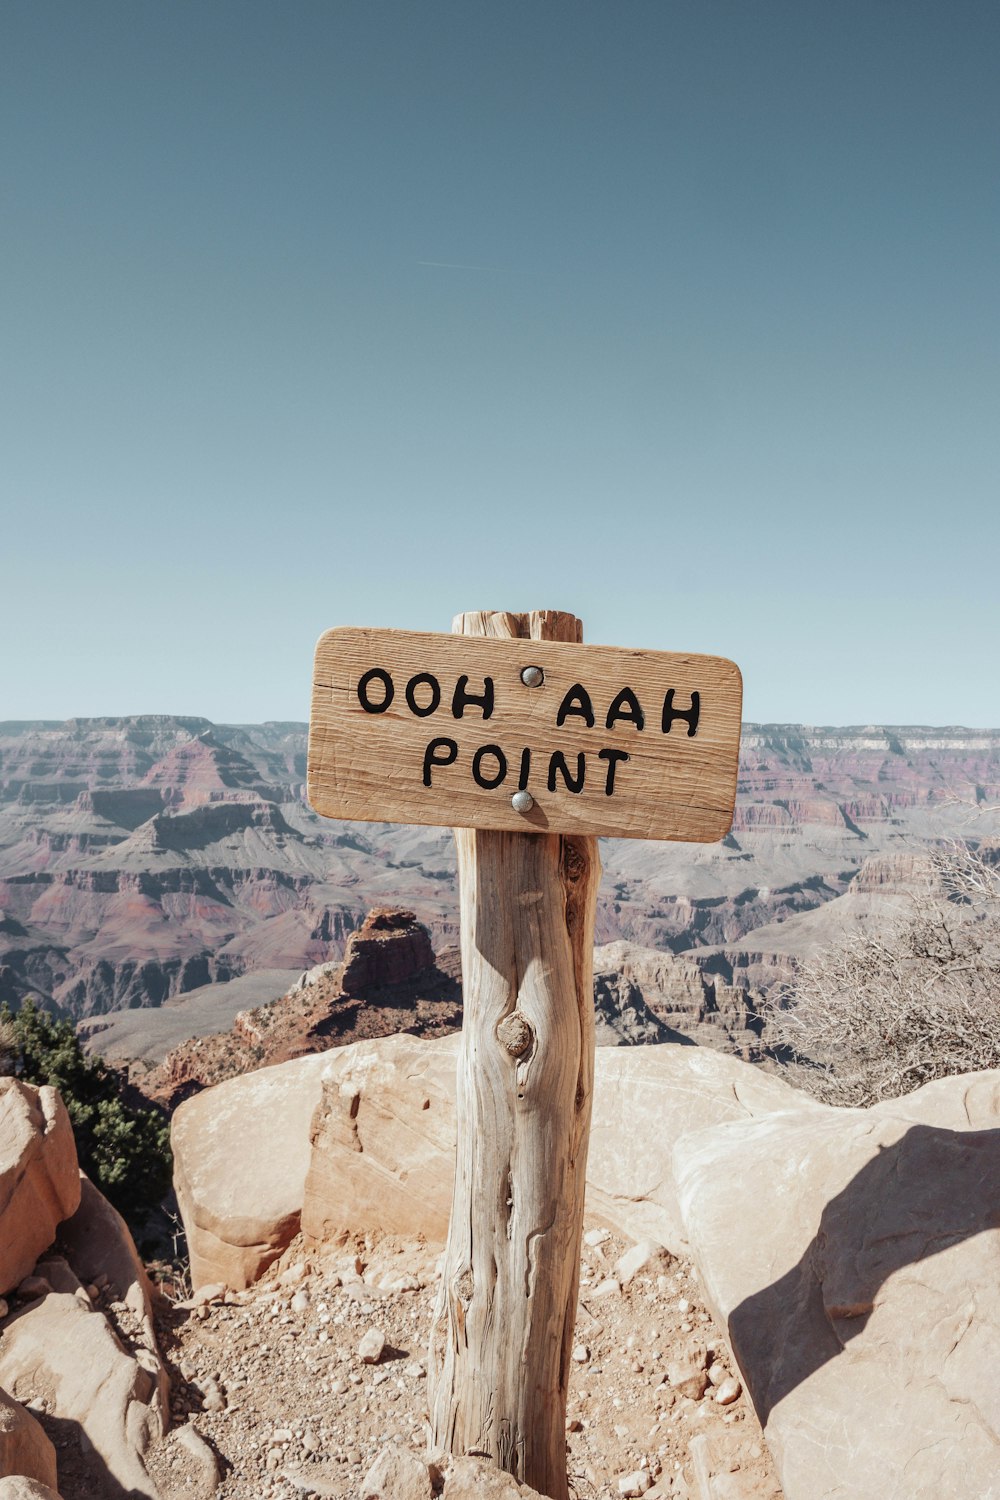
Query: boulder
61 1351
851 1254
97 1243
363 1138
24 1445
241 1153
39 1177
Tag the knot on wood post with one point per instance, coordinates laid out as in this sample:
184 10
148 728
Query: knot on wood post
465 1285
515 1033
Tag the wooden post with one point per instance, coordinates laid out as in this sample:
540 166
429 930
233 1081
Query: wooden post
503 1329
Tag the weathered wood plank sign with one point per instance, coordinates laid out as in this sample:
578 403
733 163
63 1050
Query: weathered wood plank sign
529 743
523 735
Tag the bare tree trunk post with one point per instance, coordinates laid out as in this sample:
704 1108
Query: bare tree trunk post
502 1336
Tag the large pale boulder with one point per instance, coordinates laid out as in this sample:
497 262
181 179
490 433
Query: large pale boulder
25 1447
383 1136
39 1177
59 1350
241 1153
853 1257
363 1137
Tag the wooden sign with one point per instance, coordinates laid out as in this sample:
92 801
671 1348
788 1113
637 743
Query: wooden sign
523 735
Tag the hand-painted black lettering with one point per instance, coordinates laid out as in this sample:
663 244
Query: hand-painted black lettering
462 698
433 758
613 757
557 762
422 679
689 715
477 766
576 702
626 706
522 780
376 675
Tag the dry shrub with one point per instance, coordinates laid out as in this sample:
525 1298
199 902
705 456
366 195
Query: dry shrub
889 1009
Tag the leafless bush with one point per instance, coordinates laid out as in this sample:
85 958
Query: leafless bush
919 998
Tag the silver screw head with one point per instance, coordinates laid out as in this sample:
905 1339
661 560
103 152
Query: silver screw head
532 676
522 802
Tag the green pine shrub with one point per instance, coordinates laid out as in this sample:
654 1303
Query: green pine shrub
124 1149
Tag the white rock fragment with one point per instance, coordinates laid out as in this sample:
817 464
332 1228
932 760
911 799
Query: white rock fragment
643 1256
371 1347
636 1483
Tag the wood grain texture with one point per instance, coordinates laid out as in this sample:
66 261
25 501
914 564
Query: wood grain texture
372 763
502 1335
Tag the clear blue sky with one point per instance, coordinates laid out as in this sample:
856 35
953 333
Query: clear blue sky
682 316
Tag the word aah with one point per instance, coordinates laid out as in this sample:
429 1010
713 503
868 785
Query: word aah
490 764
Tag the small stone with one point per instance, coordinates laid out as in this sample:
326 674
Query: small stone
4 1307
609 1287
372 1346
595 1237
717 1373
642 1257
214 1291
687 1375
211 1395
728 1391
339 1387
397 1474
581 1354
292 1276
415 1371
683 1305
300 1302
281 1435
636 1483
573 1424
191 1440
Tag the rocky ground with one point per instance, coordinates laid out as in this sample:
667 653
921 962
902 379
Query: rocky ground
280 1392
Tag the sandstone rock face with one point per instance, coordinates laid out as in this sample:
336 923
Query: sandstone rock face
241 1153
60 1350
39 1177
24 1447
383 1140
853 1256
378 1151
647 1098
